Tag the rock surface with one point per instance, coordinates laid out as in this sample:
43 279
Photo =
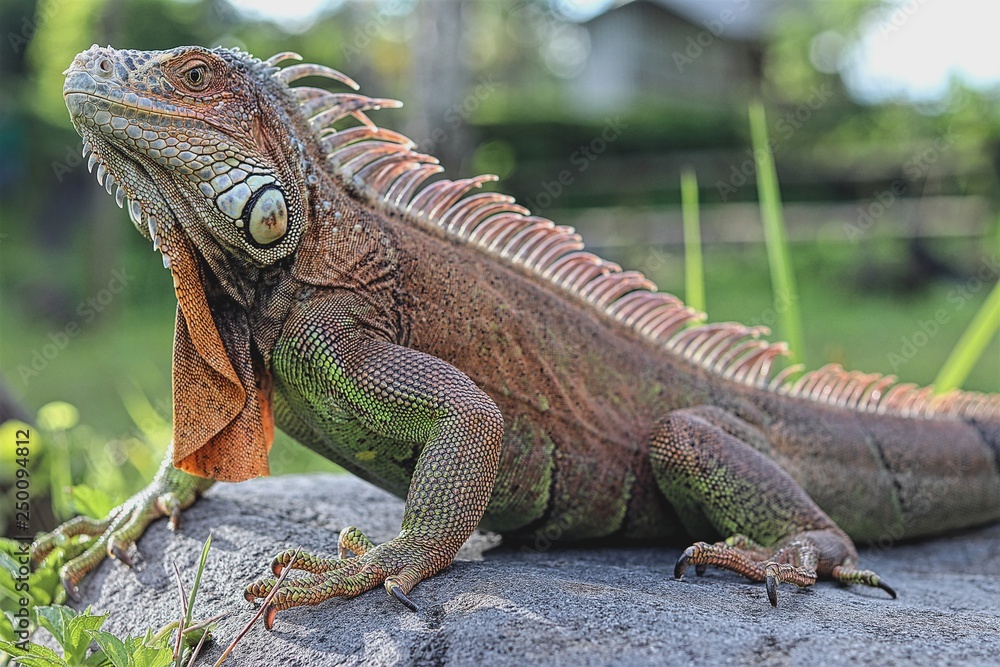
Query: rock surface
499 606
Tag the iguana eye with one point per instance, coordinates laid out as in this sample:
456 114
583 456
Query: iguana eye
197 77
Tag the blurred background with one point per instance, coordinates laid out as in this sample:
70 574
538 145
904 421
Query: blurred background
884 120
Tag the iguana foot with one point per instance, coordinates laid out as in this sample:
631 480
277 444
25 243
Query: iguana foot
170 492
794 562
398 565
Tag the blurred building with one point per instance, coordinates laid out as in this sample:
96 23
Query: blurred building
698 53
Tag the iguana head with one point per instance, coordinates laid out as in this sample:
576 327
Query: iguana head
195 137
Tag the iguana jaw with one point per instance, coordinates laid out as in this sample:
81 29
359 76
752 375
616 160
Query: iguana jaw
132 188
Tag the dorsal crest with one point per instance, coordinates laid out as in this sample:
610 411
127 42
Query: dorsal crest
385 167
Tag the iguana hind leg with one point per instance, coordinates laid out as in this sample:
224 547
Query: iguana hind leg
705 465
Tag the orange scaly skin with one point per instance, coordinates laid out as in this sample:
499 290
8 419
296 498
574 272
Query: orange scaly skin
474 360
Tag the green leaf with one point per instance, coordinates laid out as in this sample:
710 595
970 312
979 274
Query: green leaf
96 659
42 584
88 500
36 655
70 629
197 579
113 648
143 655
55 619
971 345
7 629
78 631
133 651
46 587
7 561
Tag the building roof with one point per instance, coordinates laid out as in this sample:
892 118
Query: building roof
734 19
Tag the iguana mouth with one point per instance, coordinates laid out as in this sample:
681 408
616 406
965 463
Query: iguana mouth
126 186
121 174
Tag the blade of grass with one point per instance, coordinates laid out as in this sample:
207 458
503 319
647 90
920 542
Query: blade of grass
187 606
971 345
694 272
197 578
786 298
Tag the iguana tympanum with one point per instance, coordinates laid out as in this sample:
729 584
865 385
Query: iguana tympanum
473 359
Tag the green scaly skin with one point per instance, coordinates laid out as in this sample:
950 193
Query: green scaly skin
479 391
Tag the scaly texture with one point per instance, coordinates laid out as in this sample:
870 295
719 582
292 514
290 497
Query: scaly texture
475 359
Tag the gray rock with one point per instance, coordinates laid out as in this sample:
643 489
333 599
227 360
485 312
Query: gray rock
500 606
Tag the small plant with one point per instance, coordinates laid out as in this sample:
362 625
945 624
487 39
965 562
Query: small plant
76 632
970 347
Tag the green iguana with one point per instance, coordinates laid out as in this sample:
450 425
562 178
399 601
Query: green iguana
474 359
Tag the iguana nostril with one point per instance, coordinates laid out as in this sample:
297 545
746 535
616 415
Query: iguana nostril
104 67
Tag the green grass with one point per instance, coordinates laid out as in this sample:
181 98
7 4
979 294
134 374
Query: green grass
694 272
786 296
969 351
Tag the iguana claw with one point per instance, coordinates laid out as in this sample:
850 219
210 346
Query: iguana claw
398 565
71 588
682 563
118 550
771 585
269 615
397 592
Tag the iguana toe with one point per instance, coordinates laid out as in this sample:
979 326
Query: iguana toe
850 575
170 492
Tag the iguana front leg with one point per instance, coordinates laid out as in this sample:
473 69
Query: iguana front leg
380 406
171 491
706 467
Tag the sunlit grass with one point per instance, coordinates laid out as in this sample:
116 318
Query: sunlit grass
786 299
694 272
971 346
